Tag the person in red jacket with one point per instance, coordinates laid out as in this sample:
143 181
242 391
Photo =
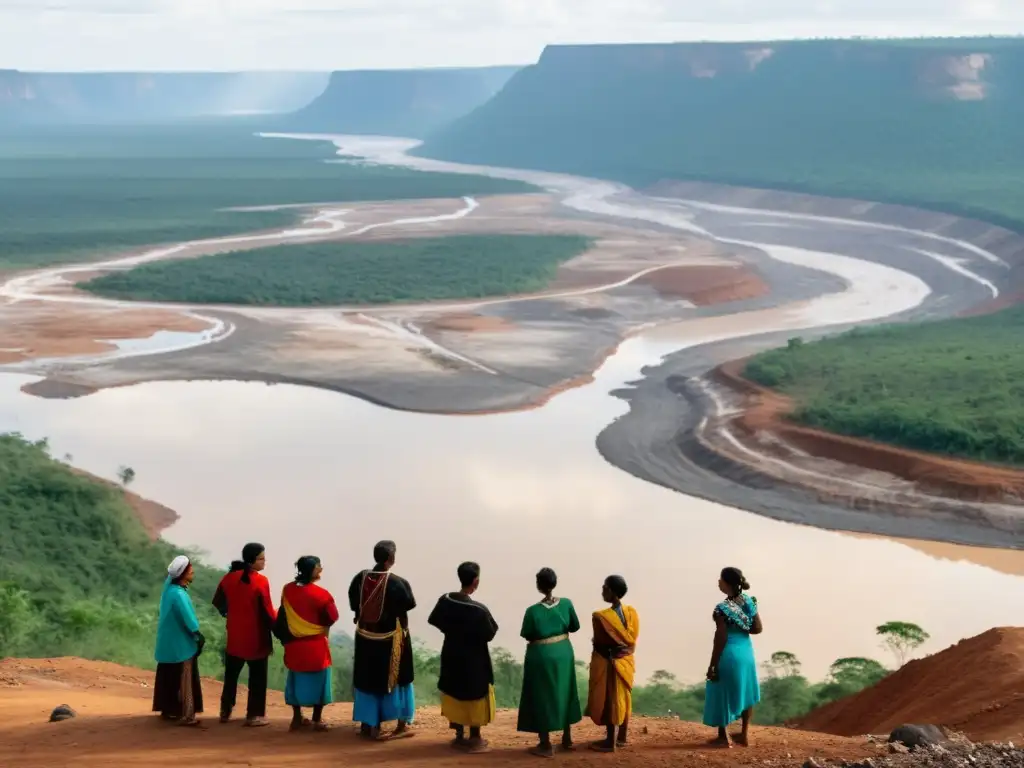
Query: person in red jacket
303 623
243 597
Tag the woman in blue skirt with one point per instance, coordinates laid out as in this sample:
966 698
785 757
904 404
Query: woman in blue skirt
732 687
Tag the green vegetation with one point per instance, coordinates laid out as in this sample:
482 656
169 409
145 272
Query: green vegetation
953 387
68 194
901 638
334 273
875 120
79 577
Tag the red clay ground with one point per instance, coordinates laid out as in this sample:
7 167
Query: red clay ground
975 687
766 411
115 728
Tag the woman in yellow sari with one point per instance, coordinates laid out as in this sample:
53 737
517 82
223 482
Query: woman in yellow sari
613 666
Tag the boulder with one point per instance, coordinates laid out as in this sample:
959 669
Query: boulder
63 712
917 736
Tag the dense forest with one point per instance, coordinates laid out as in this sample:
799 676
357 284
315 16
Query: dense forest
349 272
933 123
70 193
953 387
79 577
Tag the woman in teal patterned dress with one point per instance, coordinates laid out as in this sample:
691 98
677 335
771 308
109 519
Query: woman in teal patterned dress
550 700
732 687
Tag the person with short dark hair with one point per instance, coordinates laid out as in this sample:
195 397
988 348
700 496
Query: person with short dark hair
732 688
243 598
382 672
550 700
308 612
467 676
613 665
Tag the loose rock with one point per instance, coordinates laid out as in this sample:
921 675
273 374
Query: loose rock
63 712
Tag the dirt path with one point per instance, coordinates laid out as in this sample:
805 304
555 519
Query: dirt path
115 728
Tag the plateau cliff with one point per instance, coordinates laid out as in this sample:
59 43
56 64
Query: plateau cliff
929 122
99 97
399 102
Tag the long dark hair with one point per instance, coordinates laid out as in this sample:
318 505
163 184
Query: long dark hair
249 554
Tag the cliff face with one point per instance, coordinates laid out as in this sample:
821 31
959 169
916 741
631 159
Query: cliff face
839 117
126 96
410 103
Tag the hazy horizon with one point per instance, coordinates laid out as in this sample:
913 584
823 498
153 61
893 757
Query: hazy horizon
325 35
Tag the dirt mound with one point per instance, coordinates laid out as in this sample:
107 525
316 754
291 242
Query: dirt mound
706 285
115 727
975 687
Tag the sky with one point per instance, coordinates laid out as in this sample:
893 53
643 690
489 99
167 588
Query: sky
69 35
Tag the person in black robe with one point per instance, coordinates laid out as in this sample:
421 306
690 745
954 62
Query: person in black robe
383 667
467 677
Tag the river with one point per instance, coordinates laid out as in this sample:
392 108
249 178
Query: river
308 471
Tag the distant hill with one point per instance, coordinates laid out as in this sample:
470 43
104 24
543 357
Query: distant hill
975 687
927 122
91 97
411 102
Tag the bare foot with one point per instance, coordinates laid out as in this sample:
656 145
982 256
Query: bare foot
720 743
321 727
741 739
567 746
298 725
542 751
602 746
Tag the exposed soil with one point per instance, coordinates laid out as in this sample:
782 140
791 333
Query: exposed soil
115 727
468 322
706 285
766 411
975 687
35 329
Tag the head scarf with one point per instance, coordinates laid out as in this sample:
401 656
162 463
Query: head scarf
178 567
249 554
304 569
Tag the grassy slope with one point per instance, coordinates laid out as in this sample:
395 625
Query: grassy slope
843 118
67 194
953 387
311 274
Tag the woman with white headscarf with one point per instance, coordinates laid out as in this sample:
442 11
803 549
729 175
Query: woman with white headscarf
177 695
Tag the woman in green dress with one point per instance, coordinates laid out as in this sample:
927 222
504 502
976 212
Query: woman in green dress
550 700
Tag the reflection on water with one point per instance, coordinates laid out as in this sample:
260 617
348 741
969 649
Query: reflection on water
313 472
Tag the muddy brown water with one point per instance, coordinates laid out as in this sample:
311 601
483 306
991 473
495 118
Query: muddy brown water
307 471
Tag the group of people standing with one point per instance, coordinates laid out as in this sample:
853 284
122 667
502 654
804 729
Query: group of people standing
383 671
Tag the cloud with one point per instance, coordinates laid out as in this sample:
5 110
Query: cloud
336 34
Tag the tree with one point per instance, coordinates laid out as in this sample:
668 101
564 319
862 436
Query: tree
126 475
783 664
662 677
901 638
856 671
